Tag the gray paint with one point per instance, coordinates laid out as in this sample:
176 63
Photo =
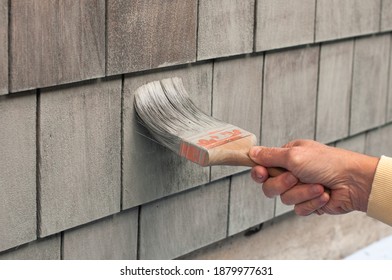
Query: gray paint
248 205
370 80
386 15
334 91
17 170
3 46
113 238
237 99
147 34
290 100
149 170
339 19
185 222
43 249
225 28
79 154
282 23
56 42
378 141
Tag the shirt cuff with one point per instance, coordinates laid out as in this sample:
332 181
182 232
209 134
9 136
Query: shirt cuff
380 199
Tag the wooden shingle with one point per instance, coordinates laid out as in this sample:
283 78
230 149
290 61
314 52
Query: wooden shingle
56 42
3 47
80 154
148 34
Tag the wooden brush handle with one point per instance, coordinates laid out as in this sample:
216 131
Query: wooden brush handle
237 153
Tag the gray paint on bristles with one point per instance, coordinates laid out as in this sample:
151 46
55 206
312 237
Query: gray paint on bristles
166 110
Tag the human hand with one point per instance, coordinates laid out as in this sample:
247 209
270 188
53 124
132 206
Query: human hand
311 166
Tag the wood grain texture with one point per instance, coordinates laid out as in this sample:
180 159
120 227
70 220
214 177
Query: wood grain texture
355 143
344 18
80 154
56 42
386 15
43 249
248 205
378 141
147 34
334 92
151 171
282 23
370 81
3 47
113 238
237 99
182 223
17 170
225 28
290 85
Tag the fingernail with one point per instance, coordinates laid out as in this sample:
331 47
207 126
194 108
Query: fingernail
254 151
258 178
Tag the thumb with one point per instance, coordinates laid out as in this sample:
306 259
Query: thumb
269 157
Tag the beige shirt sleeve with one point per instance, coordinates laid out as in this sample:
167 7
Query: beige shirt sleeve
380 199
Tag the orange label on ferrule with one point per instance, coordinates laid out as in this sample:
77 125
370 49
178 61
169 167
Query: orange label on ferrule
217 138
195 148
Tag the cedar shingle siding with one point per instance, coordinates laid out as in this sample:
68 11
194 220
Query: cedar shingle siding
78 179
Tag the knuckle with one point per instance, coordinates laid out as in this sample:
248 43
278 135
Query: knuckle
295 156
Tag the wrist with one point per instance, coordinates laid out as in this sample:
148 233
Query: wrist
362 176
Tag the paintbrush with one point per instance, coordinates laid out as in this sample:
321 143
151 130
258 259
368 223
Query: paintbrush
166 110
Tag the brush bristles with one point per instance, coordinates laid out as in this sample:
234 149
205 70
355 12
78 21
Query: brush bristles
166 110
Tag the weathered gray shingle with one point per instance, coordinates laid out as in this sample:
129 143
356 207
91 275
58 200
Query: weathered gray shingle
370 81
282 23
225 28
56 42
112 238
147 34
344 18
43 249
355 143
386 15
378 141
17 169
80 154
3 47
289 100
185 222
248 205
389 108
334 91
